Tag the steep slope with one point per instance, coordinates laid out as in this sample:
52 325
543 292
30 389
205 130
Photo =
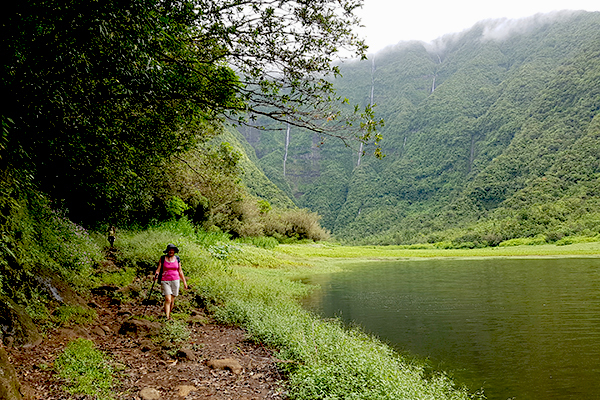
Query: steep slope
472 121
253 177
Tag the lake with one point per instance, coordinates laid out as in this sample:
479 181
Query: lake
527 329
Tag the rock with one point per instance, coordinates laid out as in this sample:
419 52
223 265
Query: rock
139 327
58 289
98 331
147 345
14 322
149 394
104 290
186 354
167 345
198 320
74 332
9 341
93 304
184 390
124 313
227 363
9 384
28 392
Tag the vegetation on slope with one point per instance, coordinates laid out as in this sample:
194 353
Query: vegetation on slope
484 132
253 287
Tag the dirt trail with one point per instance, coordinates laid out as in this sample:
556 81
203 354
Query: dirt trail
149 370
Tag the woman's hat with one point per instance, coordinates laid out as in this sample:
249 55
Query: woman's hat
171 246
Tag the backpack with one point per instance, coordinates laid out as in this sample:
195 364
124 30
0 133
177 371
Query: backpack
162 261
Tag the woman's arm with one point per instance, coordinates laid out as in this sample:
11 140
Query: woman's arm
185 285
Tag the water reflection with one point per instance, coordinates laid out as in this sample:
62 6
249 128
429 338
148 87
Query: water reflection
528 329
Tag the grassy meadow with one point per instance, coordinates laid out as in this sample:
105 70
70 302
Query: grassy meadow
318 252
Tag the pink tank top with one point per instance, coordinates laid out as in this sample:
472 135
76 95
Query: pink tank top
170 271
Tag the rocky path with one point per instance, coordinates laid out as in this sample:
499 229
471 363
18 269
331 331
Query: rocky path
216 362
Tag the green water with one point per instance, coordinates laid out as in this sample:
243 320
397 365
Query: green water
527 329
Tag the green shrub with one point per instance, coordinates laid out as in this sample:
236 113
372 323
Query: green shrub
175 331
66 315
37 308
295 224
540 239
577 239
266 242
86 370
176 207
118 278
71 246
222 251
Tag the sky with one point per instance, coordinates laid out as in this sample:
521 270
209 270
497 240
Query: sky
388 22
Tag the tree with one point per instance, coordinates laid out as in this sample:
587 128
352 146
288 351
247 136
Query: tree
102 94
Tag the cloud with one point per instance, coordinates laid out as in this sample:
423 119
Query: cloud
501 29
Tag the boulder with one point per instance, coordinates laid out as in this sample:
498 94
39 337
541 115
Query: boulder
16 326
58 289
185 390
104 290
139 327
74 333
149 394
9 384
186 354
226 364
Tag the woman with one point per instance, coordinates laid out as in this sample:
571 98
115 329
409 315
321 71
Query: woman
169 274
112 233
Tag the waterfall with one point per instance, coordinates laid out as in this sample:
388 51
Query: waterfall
287 143
434 75
360 150
472 156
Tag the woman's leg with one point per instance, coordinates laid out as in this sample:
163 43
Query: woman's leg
169 299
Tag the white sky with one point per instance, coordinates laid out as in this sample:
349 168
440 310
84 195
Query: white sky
388 22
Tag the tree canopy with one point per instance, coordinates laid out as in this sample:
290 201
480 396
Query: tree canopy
101 94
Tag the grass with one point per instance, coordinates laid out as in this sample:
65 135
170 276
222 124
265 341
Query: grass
257 289
175 331
117 278
86 369
67 315
327 251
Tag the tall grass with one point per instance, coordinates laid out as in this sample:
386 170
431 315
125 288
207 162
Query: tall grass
323 359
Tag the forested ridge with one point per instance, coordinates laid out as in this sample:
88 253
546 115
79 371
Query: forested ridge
490 135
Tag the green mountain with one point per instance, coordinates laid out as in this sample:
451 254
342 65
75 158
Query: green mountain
490 134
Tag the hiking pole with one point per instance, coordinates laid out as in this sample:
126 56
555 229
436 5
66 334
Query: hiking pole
149 293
